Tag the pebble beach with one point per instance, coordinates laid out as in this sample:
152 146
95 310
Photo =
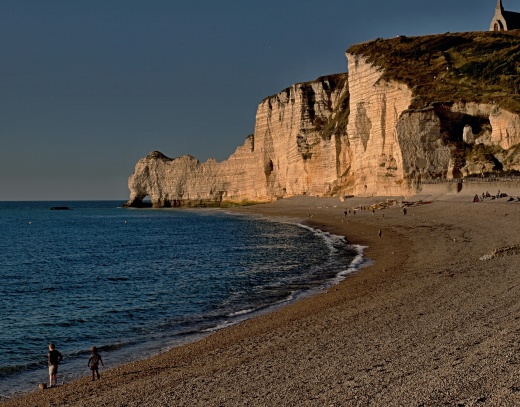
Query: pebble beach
432 319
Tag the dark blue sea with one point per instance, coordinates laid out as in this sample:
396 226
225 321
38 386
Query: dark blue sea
136 282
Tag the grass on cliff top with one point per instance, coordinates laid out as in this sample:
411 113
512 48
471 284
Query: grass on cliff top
470 67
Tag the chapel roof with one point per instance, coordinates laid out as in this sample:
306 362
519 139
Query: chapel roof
503 19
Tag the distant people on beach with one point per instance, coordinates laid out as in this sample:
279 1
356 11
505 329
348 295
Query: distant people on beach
53 360
93 363
486 194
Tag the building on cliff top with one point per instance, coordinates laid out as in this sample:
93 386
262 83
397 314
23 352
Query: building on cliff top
504 20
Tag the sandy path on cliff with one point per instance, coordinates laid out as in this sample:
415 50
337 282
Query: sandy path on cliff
428 323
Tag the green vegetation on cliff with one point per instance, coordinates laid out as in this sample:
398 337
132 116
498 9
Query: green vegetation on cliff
471 67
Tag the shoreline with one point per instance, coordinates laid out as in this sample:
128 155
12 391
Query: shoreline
124 350
74 367
427 322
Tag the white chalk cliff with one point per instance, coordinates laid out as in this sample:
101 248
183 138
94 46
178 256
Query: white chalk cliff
292 152
303 145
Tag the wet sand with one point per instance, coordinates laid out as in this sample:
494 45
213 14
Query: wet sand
427 324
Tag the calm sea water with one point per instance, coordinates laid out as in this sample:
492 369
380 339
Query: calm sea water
137 282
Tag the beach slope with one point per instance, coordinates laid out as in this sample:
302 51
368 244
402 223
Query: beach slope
433 320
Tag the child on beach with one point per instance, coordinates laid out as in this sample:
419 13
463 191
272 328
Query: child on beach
94 361
53 360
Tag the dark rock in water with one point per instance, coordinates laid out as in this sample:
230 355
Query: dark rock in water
60 208
138 204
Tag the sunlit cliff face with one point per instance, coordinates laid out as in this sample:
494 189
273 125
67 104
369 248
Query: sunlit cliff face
333 137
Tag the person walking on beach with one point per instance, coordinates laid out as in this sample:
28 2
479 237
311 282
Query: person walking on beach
94 361
53 360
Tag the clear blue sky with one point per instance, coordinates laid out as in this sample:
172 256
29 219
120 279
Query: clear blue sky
90 87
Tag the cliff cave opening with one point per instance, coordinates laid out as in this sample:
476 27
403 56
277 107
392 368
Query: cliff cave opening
269 167
142 202
453 123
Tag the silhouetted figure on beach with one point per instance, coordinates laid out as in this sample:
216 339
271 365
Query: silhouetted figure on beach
53 360
379 233
94 361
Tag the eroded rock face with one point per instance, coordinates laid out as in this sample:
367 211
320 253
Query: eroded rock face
394 149
302 144
375 109
175 182
291 150
287 155
424 153
504 126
